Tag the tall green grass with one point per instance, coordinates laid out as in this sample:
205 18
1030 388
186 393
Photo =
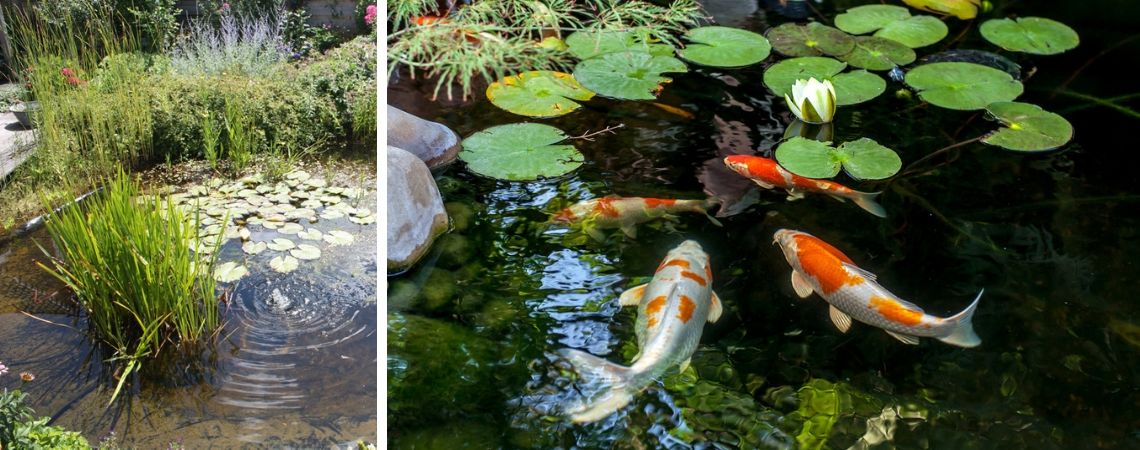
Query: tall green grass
128 259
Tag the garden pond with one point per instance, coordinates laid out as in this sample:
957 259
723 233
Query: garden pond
294 365
1052 237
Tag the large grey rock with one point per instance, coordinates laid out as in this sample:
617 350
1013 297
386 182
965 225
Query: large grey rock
432 142
415 210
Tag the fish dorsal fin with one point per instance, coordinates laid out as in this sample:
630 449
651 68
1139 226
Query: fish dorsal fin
685 364
801 285
910 340
841 320
859 271
632 296
630 230
715 307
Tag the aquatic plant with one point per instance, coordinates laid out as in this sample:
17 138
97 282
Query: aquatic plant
812 101
128 260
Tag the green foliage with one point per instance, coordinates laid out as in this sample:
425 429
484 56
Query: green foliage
813 39
238 44
1028 128
538 93
862 159
850 87
11 94
894 23
519 152
363 113
305 39
588 44
630 76
20 430
155 21
342 74
876 53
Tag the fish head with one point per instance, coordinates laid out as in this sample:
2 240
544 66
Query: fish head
787 240
756 168
565 215
737 163
690 250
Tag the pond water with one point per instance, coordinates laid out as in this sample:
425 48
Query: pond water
299 376
1051 237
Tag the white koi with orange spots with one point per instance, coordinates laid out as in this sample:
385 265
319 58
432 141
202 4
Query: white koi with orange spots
671 312
626 212
769 175
853 293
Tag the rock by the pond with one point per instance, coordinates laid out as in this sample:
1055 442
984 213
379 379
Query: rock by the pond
434 143
415 210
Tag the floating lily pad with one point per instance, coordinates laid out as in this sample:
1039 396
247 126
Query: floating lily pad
807 158
850 88
875 53
538 93
1036 35
337 237
229 272
628 75
283 263
868 18
518 152
244 233
362 220
311 234
587 44
306 251
862 159
915 32
291 228
253 248
281 244
962 86
330 214
813 39
1028 127
977 57
725 47
962 9
865 159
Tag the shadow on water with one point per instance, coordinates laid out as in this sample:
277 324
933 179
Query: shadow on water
1052 238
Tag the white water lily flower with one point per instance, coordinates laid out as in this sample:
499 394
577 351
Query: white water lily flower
812 101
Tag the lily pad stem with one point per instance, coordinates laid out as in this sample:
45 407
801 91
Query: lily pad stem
910 167
589 136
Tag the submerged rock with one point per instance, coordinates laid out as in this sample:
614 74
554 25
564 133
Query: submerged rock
434 143
415 210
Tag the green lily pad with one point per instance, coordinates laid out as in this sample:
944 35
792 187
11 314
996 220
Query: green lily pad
253 248
1028 127
337 237
306 252
813 39
311 234
866 159
875 53
850 88
229 272
291 228
725 47
519 152
330 214
868 18
281 244
1036 35
915 32
588 44
628 75
284 263
962 86
538 93
362 220
807 158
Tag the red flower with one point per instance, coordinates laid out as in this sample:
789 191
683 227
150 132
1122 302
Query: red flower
66 72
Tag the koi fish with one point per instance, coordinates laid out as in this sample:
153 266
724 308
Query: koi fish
671 312
853 293
769 175
626 212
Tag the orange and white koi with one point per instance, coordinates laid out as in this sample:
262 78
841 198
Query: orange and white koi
671 312
769 175
853 293
626 212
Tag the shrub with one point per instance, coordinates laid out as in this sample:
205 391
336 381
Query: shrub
341 72
156 20
363 109
305 39
19 428
128 260
239 44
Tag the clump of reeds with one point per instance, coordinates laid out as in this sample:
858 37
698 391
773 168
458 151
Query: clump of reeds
128 259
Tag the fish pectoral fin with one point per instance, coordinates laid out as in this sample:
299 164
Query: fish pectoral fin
595 233
860 271
764 184
715 308
630 231
801 285
906 339
794 195
685 364
633 295
841 320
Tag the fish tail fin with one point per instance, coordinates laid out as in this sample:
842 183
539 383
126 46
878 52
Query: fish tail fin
866 200
614 383
962 334
708 204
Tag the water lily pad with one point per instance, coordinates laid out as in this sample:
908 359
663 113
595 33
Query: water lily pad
977 57
868 18
962 86
875 53
1028 127
254 248
281 244
284 263
915 32
813 39
865 159
1036 35
338 237
725 47
291 228
299 175
330 214
850 88
520 151
306 252
808 158
244 233
229 272
587 44
311 234
538 93
362 220
628 75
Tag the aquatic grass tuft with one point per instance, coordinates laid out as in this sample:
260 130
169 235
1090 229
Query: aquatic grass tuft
127 257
